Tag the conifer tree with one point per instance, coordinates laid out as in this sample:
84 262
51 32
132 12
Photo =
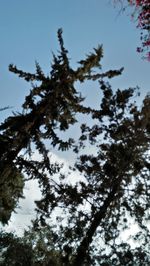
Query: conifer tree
114 188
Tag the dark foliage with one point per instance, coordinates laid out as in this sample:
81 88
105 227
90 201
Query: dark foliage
112 159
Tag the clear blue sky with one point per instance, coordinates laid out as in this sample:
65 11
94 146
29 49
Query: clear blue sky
28 33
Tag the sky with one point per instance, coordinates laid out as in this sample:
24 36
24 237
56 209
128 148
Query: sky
28 31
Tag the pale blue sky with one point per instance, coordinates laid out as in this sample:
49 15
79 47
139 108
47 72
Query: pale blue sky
28 33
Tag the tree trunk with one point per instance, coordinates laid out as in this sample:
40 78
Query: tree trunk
85 243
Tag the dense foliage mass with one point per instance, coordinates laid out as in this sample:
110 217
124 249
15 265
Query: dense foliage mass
79 222
141 14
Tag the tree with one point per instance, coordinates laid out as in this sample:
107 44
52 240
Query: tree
141 14
14 251
81 222
30 249
11 188
53 104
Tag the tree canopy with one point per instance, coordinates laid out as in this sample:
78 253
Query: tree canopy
79 222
